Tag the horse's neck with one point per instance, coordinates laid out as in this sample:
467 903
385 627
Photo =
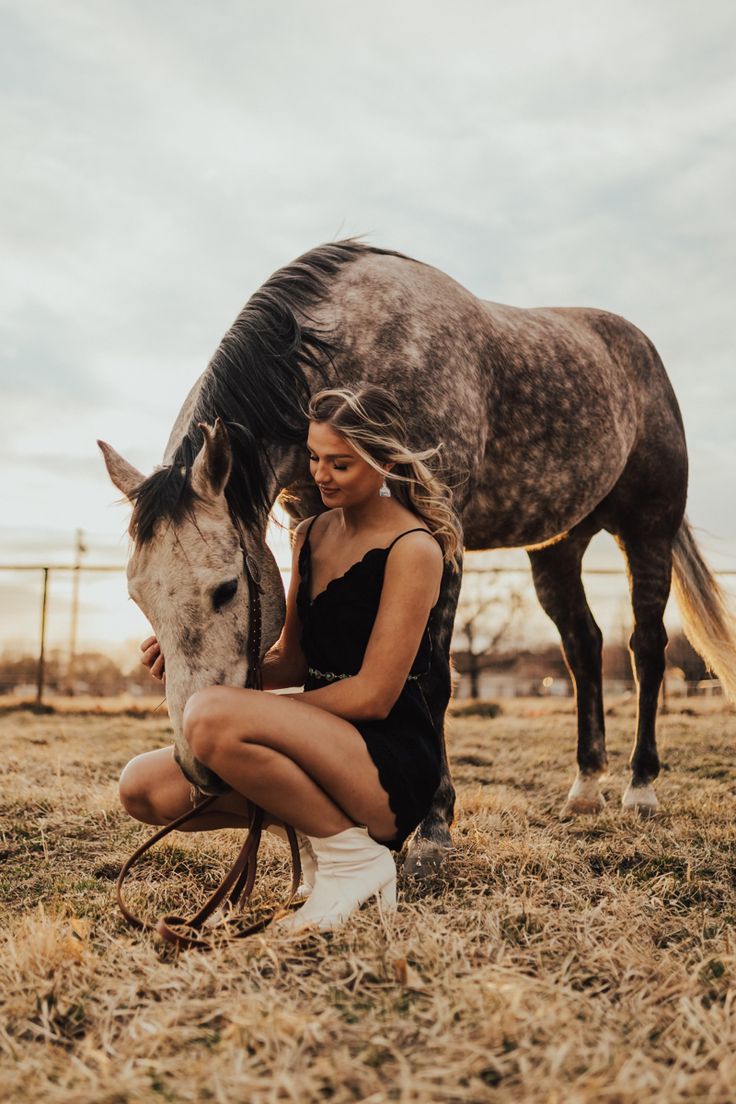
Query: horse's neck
285 465
183 421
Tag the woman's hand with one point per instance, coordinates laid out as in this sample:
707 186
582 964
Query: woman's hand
153 658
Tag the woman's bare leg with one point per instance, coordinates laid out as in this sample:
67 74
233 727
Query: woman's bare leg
154 790
302 764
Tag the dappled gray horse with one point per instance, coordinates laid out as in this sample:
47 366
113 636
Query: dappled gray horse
556 423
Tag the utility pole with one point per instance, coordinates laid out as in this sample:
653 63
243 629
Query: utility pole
40 671
79 550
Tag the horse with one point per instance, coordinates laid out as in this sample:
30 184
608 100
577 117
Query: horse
556 423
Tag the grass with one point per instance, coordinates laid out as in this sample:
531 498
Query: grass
552 961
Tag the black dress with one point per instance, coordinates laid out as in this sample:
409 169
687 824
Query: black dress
336 627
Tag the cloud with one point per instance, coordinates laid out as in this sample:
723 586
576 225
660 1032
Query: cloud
162 162
42 355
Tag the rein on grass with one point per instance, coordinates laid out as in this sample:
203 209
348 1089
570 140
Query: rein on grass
236 887
233 891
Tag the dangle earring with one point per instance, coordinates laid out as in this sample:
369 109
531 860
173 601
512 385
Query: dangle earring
384 491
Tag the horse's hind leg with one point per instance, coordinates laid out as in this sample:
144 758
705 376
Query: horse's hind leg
559 587
649 563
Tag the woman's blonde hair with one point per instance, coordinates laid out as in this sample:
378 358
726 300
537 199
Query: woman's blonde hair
370 418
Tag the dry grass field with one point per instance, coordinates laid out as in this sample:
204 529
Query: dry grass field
552 961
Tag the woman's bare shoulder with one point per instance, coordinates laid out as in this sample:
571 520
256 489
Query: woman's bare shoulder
301 528
415 565
316 525
417 551
299 533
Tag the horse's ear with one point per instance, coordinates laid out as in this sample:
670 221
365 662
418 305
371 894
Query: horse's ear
213 464
124 476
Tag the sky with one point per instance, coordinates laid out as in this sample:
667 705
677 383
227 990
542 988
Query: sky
161 160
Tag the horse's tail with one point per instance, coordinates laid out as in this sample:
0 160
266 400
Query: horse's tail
708 623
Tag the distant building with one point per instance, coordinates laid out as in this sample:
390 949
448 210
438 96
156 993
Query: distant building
511 675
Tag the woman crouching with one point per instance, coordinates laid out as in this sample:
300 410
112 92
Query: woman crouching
353 761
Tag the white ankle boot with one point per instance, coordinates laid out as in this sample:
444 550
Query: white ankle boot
351 868
306 858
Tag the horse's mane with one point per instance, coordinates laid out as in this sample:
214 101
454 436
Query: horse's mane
256 384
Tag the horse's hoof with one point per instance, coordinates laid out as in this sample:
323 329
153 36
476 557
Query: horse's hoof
584 798
426 858
641 800
581 806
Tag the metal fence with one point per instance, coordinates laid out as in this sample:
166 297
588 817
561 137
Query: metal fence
44 572
476 579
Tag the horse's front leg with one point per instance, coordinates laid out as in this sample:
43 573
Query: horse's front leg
559 587
432 840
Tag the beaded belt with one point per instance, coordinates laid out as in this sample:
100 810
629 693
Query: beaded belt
330 676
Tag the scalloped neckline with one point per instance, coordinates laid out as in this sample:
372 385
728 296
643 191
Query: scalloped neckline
337 578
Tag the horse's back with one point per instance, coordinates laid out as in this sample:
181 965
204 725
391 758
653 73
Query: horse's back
540 408
412 328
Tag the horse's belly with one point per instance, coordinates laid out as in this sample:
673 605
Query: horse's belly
492 524
541 498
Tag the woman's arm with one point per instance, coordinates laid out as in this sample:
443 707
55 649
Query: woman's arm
410 589
284 664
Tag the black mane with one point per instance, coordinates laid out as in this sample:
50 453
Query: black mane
255 383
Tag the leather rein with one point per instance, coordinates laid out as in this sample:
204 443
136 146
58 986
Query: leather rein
236 887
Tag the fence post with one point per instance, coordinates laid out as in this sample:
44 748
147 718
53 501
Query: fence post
41 656
79 551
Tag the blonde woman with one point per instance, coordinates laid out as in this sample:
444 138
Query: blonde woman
354 760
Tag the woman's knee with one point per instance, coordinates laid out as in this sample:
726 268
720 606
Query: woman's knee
208 722
153 789
200 723
135 791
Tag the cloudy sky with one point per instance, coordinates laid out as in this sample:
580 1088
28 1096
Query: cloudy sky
161 160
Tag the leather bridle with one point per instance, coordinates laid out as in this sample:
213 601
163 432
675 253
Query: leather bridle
236 887
253 678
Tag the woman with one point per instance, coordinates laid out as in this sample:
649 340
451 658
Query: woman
354 760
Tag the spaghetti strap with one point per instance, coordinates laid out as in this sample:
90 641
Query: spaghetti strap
419 529
305 553
309 530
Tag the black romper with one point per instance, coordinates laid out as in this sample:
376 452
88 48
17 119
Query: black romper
336 628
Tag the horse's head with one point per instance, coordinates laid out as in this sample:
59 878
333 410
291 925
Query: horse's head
187 572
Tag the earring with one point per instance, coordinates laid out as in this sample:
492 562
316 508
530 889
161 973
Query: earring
384 491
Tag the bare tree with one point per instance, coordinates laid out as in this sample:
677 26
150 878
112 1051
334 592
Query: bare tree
480 632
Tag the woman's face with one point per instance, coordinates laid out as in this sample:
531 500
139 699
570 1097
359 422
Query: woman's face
343 477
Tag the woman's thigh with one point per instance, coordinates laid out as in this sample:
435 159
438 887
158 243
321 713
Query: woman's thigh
328 748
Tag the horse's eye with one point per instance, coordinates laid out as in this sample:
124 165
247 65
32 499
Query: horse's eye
224 593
